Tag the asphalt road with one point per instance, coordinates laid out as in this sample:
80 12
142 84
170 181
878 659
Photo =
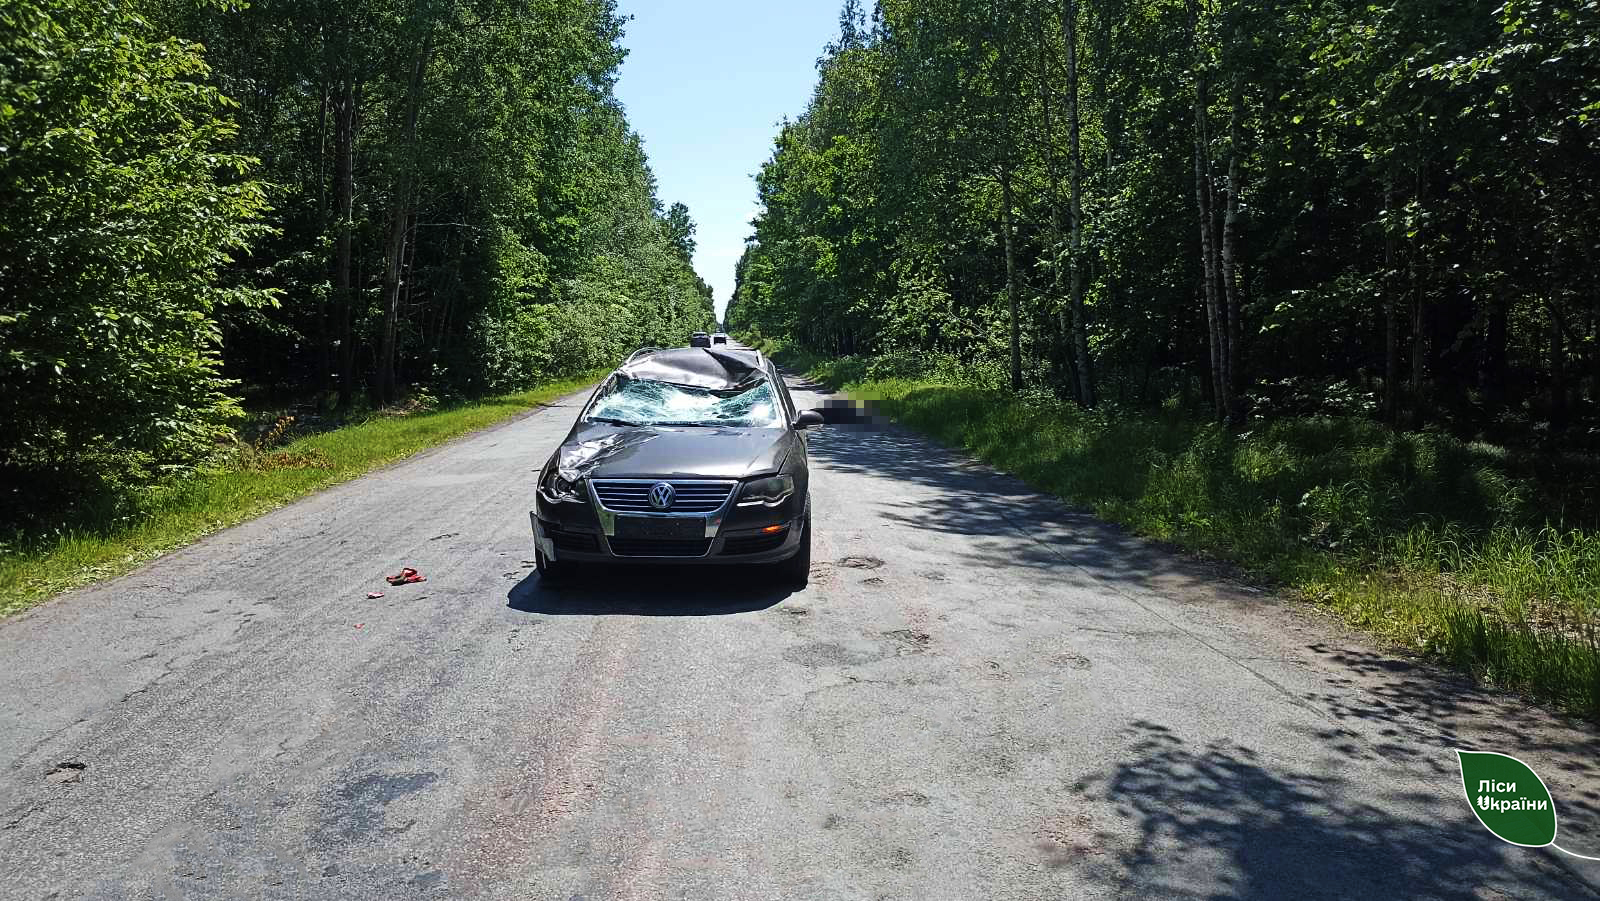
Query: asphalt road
981 695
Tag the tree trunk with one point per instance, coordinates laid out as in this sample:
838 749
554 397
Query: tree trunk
1419 315
324 350
1492 377
1419 354
1594 329
343 266
1558 376
399 227
1230 257
1107 59
1208 385
1208 254
1080 328
1554 299
1061 339
1391 304
409 281
1011 277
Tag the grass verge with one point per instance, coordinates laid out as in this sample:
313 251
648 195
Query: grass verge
174 515
1468 553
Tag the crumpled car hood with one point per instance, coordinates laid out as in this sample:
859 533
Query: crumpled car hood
602 451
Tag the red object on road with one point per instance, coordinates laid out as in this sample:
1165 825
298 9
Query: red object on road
406 576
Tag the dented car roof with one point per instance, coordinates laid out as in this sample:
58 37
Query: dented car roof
715 369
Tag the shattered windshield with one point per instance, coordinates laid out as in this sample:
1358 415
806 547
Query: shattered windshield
645 402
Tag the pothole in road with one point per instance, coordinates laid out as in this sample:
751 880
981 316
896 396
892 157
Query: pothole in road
875 580
65 772
1065 841
911 641
860 562
822 573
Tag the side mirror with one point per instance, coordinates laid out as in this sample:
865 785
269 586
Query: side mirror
808 419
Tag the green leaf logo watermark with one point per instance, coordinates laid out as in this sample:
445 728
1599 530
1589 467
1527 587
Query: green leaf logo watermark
1510 800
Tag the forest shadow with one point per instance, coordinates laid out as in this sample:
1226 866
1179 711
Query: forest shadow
1219 821
971 499
1408 711
1390 525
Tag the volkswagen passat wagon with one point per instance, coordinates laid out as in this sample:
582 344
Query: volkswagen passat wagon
693 455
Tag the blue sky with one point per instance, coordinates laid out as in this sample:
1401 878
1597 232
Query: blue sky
705 84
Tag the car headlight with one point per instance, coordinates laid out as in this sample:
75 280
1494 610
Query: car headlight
559 490
769 492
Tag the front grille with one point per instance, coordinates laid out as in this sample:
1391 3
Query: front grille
753 544
578 542
638 547
634 497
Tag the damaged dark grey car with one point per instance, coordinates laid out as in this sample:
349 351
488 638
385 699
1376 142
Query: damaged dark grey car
694 455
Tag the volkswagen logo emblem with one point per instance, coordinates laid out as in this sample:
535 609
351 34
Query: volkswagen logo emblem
662 495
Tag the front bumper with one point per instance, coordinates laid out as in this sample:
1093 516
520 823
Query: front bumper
574 532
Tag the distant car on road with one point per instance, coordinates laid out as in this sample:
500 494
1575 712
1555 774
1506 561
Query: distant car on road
693 455
719 338
700 339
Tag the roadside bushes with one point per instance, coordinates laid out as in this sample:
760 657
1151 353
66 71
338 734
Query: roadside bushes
545 341
120 209
472 215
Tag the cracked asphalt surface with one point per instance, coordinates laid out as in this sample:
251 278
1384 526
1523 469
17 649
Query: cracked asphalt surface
982 694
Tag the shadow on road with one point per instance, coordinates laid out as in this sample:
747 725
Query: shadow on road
1032 529
1264 832
1288 832
651 591
1396 703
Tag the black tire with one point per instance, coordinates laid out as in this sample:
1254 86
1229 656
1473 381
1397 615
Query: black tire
795 572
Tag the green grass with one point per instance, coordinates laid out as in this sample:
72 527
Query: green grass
171 516
1468 553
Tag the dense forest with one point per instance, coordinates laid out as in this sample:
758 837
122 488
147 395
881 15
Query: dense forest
1388 209
207 206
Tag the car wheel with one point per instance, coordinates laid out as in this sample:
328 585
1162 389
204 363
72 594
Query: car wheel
551 572
795 572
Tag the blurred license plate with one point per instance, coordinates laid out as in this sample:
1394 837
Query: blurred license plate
662 529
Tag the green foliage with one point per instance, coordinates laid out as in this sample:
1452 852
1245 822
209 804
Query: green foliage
457 205
1413 187
680 231
121 206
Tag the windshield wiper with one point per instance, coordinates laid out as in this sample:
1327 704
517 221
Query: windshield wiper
610 421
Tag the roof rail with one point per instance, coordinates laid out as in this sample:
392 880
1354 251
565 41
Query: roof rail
641 352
